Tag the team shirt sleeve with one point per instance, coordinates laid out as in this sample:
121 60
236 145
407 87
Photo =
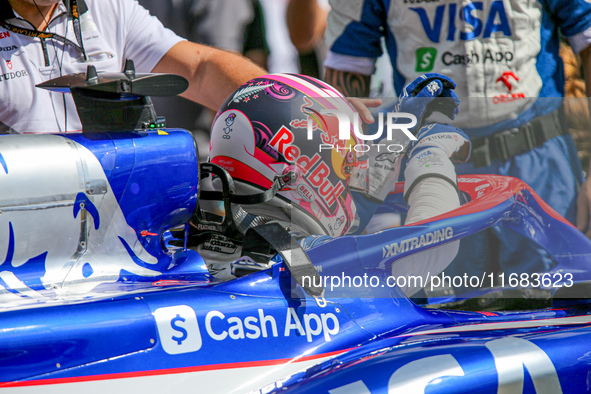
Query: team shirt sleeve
580 41
353 35
574 19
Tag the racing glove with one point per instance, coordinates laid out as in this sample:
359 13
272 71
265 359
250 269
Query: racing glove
433 155
422 97
427 94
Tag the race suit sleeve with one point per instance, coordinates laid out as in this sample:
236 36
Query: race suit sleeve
353 35
146 40
574 19
580 41
430 197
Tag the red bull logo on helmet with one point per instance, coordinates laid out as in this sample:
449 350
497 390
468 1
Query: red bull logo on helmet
313 169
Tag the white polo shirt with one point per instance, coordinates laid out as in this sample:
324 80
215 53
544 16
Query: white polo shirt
112 31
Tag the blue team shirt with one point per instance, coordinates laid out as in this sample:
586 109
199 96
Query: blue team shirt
503 54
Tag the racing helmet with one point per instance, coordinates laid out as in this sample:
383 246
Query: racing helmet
279 126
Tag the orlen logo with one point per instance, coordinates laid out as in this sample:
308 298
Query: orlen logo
4 34
464 22
506 79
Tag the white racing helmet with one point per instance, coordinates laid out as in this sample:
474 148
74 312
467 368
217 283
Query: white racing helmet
272 127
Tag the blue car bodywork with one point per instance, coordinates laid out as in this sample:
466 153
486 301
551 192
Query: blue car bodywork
94 298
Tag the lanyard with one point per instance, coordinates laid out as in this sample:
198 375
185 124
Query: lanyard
73 12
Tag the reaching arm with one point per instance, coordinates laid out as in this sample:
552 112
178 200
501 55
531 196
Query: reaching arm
584 199
350 84
353 86
306 21
212 73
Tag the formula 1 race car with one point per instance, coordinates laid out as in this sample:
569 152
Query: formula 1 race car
99 291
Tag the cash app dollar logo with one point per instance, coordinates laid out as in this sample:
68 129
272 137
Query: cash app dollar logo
174 323
178 329
426 59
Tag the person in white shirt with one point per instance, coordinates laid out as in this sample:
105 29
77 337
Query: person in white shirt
44 39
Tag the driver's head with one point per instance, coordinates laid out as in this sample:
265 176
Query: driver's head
260 132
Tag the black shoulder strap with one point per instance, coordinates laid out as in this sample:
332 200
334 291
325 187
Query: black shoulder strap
294 257
82 7
75 9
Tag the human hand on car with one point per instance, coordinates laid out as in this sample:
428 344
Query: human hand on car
362 106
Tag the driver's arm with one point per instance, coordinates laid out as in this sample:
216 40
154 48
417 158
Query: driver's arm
306 23
212 73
